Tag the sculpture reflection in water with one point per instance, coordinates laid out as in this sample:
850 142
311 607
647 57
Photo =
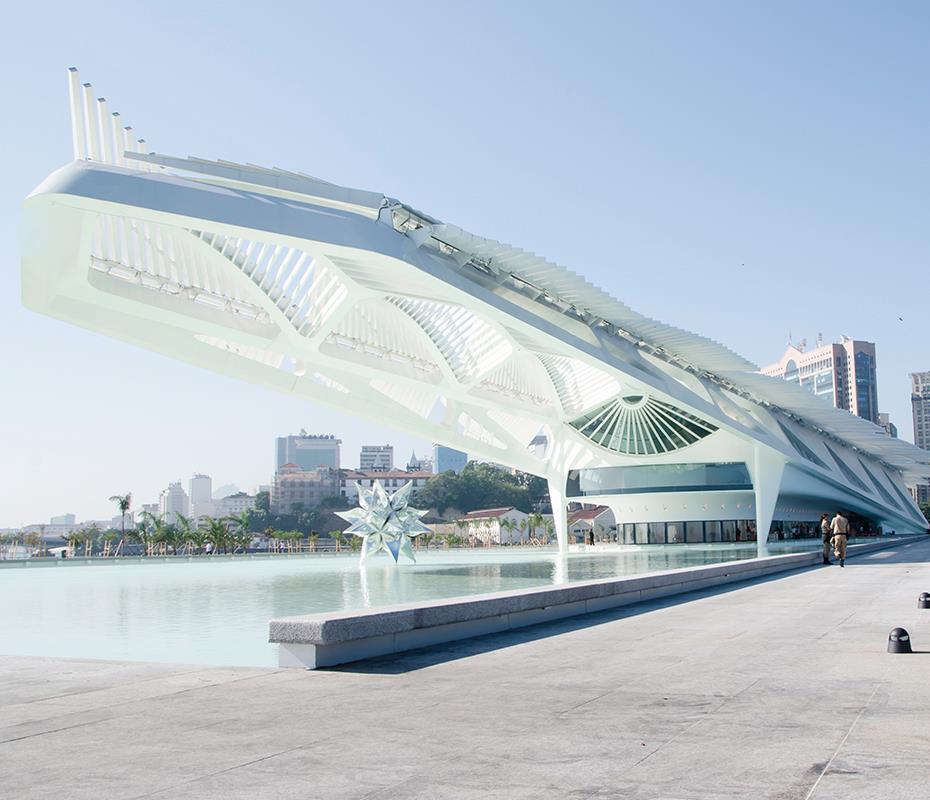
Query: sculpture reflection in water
385 522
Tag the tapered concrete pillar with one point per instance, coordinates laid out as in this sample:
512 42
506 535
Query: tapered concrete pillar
559 512
766 471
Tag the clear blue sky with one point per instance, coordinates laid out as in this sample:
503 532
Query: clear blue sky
744 170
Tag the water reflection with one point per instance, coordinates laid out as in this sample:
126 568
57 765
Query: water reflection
217 612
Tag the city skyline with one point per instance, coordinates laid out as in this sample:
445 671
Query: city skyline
193 480
684 205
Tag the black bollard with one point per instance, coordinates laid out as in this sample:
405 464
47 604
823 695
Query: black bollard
899 641
924 600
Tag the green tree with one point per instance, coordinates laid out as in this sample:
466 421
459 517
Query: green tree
477 486
925 508
33 541
508 524
263 501
108 538
337 537
182 531
123 503
549 526
533 522
144 531
217 533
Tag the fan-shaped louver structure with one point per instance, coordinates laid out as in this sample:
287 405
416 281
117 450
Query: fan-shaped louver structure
638 425
352 299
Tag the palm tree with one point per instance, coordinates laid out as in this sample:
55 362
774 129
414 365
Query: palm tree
313 537
534 521
240 521
108 538
182 530
217 531
73 538
336 536
507 524
33 540
123 502
91 532
523 526
144 531
550 528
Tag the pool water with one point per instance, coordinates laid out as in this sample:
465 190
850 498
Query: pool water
216 611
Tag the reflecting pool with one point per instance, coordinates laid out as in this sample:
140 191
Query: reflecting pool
216 611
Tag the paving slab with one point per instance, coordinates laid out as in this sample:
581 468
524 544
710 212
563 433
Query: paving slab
775 688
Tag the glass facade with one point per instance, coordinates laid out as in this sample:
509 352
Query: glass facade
693 532
866 386
648 478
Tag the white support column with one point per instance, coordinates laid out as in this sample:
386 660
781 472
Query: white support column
766 469
559 512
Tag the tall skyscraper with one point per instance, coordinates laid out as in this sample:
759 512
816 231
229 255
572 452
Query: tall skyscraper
842 373
448 459
200 489
920 410
173 501
376 458
307 452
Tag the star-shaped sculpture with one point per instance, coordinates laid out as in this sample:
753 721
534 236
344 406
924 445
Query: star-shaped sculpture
384 522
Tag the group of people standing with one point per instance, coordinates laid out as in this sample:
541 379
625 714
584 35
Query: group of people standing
834 533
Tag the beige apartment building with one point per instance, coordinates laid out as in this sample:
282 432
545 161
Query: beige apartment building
842 373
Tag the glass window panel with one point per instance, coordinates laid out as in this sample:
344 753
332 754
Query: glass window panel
629 533
729 531
659 478
694 531
712 529
656 533
642 533
676 533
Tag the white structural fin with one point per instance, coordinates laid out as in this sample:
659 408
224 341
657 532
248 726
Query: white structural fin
96 134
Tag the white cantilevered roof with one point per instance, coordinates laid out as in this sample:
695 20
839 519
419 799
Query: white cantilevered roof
698 352
99 135
820 415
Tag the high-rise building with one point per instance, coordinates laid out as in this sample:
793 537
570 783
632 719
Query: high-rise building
376 458
307 451
64 519
890 428
200 489
920 410
448 459
173 501
842 373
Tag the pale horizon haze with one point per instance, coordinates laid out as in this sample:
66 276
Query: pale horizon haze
748 171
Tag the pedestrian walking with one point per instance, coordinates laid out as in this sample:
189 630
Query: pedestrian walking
839 525
826 535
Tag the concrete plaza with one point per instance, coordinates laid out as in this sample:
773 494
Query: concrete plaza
777 688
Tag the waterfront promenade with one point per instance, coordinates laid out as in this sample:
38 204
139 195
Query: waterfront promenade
778 688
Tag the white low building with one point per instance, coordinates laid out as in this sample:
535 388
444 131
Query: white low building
597 521
497 525
234 505
391 480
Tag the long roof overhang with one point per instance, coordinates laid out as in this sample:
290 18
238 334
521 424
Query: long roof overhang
546 281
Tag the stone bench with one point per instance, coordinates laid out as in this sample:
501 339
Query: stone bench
330 638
